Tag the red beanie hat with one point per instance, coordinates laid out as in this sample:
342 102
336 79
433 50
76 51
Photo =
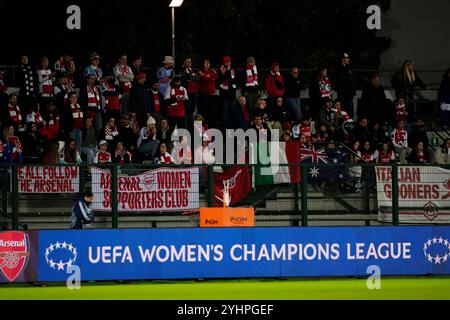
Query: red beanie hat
226 59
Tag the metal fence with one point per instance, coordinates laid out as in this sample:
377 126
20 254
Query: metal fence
326 195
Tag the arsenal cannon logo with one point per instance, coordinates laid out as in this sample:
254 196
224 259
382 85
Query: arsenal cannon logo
14 254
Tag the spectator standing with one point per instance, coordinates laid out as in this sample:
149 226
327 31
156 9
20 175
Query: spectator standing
227 90
27 82
292 94
319 89
176 98
444 100
60 91
345 85
124 77
91 102
65 64
251 87
374 105
207 92
14 115
112 94
405 82
74 120
94 67
52 122
189 80
45 80
274 84
157 106
136 66
165 74
140 99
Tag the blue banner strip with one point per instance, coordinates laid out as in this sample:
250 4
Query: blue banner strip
243 253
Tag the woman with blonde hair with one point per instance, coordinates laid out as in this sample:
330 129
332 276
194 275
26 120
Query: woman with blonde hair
406 80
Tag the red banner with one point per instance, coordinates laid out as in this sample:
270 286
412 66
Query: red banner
293 157
239 183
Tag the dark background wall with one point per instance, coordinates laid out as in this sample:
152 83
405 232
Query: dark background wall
307 32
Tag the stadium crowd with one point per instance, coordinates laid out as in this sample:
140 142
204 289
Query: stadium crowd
126 115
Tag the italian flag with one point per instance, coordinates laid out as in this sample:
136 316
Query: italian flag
274 168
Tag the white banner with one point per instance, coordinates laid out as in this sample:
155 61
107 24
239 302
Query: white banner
48 179
161 190
423 192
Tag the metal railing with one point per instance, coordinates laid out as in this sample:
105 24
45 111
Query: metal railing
325 195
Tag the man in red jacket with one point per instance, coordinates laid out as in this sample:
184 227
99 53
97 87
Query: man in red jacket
274 84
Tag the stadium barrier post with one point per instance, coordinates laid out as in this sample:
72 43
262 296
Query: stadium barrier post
367 185
210 186
304 187
4 191
297 204
114 191
15 198
395 211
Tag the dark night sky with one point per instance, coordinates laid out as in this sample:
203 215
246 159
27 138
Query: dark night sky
302 30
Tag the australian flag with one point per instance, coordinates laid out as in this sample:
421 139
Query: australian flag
329 163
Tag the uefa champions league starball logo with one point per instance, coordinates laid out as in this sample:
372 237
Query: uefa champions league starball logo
61 256
437 250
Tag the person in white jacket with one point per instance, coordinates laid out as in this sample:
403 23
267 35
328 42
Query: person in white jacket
399 137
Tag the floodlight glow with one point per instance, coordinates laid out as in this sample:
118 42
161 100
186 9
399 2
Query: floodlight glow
176 3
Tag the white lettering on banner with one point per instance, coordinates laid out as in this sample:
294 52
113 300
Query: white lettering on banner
307 252
382 251
108 255
186 253
159 190
48 179
423 192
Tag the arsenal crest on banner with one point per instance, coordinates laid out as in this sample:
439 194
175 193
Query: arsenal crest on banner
14 254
